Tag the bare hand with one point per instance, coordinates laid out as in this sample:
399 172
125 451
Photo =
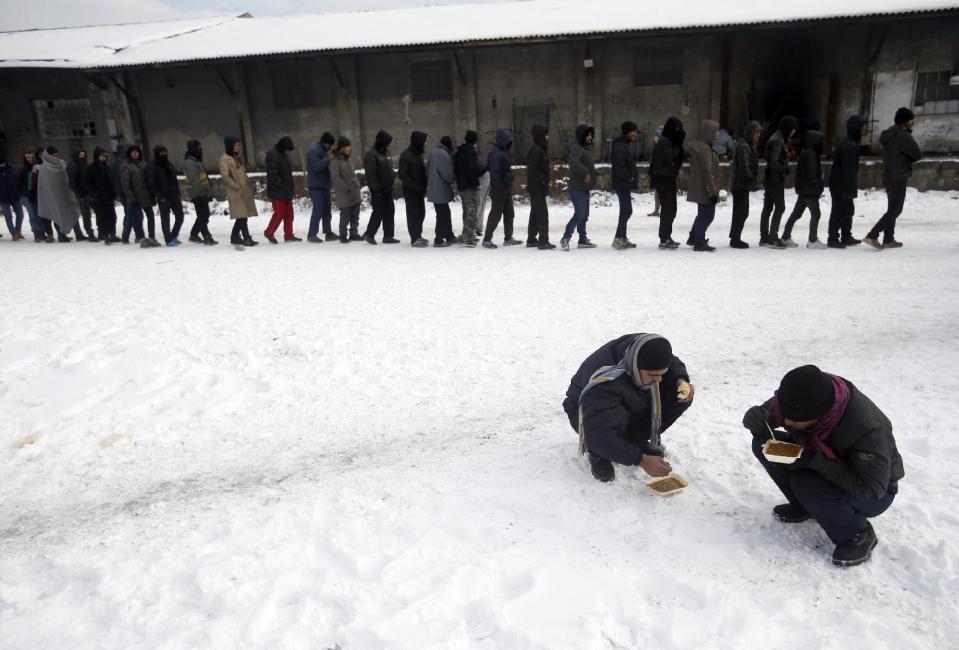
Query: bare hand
588 179
655 466
684 391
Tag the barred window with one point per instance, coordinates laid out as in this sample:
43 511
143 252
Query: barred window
659 66
293 86
934 95
431 81
65 118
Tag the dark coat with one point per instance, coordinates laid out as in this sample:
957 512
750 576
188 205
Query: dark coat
667 158
412 172
100 180
23 178
869 463
76 172
468 167
613 408
161 177
809 183
318 167
9 185
625 174
844 175
581 162
777 160
378 165
279 172
498 161
440 175
537 162
133 180
745 165
703 185
899 151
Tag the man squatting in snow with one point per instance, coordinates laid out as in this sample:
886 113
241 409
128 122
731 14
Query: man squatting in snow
622 397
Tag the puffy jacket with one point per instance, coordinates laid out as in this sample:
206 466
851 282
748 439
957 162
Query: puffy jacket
467 167
133 181
412 172
99 180
537 162
76 172
625 175
844 175
777 160
899 151
809 183
378 165
745 165
279 171
9 185
581 162
346 189
440 176
498 161
703 185
318 167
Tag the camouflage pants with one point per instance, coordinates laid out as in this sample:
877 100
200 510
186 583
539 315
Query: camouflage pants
470 199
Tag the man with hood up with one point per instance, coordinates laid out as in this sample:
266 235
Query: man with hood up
625 175
318 182
501 190
139 199
163 184
624 395
378 166
199 191
777 169
664 168
537 184
844 184
900 151
703 186
101 188
582 178
412 174
745 173
469 169
439 190
279 189
77 170
809 187
55 200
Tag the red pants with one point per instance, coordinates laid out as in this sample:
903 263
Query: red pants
282 212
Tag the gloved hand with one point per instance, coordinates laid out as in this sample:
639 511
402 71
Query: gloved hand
806 459
757 421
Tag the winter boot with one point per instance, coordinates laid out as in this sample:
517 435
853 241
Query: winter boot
738 243
441 243
620 244
532 243
564 243
601 468
420 243
704 247
585 243
857 550
629 244
356 237
790 514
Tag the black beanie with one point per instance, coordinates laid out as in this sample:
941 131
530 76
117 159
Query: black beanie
805 394
655 355
342 142
903 115
471 137
327 138
446 142
787 125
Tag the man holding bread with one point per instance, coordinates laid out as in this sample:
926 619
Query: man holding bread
846 468
624 395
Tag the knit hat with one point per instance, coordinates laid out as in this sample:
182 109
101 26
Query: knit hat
903 115
342 141
805 393
327 138
471 137
655 355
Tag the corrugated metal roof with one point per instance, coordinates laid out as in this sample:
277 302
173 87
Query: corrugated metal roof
239 37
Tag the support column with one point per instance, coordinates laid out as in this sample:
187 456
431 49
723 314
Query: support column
347 100
242 97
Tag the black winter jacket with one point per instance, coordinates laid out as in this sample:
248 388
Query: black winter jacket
537 162
844 175
467 167
279 173
75 173
412 172
777 160
613 408
100 180
625 175
498 161
161 177
809 183
900 151
378 165
745 166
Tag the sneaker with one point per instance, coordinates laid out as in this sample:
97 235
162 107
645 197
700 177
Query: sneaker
546 246
665 246
236 241
653 214
835 244
313 239
145 243
851 241
776 244
210 242
196 239
738 243
64 239
369 239
816 245
175 241
790 514
789 243
154 243
564 243
585 243
356 237
511 242
293 238
629 244
442 243
532 243
704 247
892 243
270 238
468 243
488 244
601 468
420 243
331 237
391 240
249 242
857 550
620 244
872 241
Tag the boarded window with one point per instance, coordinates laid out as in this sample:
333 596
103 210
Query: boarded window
934 95
431 81
65 118
659 66
293 86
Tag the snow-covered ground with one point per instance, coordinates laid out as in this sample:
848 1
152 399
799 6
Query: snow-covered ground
364 446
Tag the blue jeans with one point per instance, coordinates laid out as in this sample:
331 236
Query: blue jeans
322 211
580 199
35 226
625 211
704 217
132 220
9 210
840 513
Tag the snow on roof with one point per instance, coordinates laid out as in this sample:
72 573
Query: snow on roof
244 36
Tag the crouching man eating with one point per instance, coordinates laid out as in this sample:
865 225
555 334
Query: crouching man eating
622 397
849 468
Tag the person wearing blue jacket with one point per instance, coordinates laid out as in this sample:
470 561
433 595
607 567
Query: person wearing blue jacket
318 183
501 190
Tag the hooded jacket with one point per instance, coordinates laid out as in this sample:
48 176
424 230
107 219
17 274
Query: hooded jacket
899 151
161 177
197 183
378 165
844 175
99 180
440 176
777 153
703 185
667 158
279 171
625 175
239 191
318 167
412 171
745 165
133 181
76 171
809 183
498 161
581 162
613 408
55 199
9 185
467 167
537 162
346 188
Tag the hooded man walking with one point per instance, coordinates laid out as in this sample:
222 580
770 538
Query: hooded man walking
537 184
582 178
469 169
412 175
809 187
439 190
55 200
625 180
844 184
777 170
624 395
200 192
163 184
703 186
279 189
318 183
378 165
745 173
239 195
900 151
101 189
501 190
139 199
849 469
664 168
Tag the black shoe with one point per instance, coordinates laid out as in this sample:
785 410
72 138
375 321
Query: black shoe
790 514
442 243
81 237
851 241
369 240
236 241
704 247
270 238
356 237
196 239
546 247
313 239
331 237
602 469
532 243
738 243
345 240
392 240
857 550
689 240
832 243
292 238
63 239
210 242
249 241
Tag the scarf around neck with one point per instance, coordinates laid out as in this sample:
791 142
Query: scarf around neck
820 432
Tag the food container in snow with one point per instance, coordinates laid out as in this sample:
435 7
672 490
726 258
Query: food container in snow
666 485
778 451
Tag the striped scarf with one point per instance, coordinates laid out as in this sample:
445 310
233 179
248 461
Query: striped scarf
628 365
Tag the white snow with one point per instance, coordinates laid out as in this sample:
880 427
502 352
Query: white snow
364 446
241 37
